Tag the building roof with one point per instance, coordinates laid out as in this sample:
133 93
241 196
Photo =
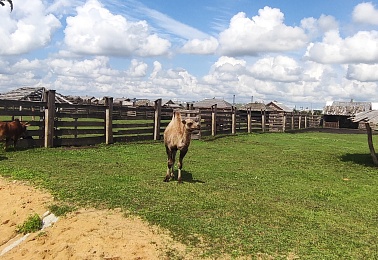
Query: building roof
32 94
367 116
347 108
279 106
82 99
144 102
170 103
255 107
208 103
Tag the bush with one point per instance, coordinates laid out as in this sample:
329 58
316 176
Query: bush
32 224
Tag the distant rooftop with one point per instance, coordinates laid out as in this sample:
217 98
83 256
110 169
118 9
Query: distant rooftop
279 106
208 103
255 107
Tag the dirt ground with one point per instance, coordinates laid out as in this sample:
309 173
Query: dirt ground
84 234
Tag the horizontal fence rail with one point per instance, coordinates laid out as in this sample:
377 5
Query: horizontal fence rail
55 124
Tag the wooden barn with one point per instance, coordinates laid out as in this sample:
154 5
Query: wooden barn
337 114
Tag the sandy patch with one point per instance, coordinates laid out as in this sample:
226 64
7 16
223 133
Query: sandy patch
84 234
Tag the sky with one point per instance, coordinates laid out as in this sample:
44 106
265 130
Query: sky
301 53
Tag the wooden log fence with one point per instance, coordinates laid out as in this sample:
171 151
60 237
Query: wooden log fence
57 124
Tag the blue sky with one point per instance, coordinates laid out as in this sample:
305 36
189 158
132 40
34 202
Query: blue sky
301 53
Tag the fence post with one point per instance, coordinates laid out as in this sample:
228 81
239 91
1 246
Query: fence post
214 120
284 122
109 120
263 120
292 121
249 120
300 121
199 121
305 122
233 120
49 119
157 119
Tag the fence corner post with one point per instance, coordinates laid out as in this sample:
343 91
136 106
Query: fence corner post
49 119
109 120
214 120
157 119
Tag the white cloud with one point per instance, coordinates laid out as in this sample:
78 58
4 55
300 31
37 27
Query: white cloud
229 64
317 27
279 68
63 7
137 69
85 69
172 26
27 28
263 33
224 74
363 72
365 13
197 46
94 30
316 72
359 48
25 64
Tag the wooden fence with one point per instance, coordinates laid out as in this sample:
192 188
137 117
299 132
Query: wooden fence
56 124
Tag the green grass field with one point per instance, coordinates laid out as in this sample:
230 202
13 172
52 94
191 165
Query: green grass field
307 195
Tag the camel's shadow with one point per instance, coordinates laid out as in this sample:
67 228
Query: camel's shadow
187 177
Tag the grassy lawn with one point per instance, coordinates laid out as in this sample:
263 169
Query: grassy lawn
311 195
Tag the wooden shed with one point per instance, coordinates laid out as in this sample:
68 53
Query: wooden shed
279 107
338 114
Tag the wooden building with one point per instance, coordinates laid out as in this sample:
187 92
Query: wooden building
338 114
279 107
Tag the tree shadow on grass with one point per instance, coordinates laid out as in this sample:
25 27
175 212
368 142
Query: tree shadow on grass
361 159
2 157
